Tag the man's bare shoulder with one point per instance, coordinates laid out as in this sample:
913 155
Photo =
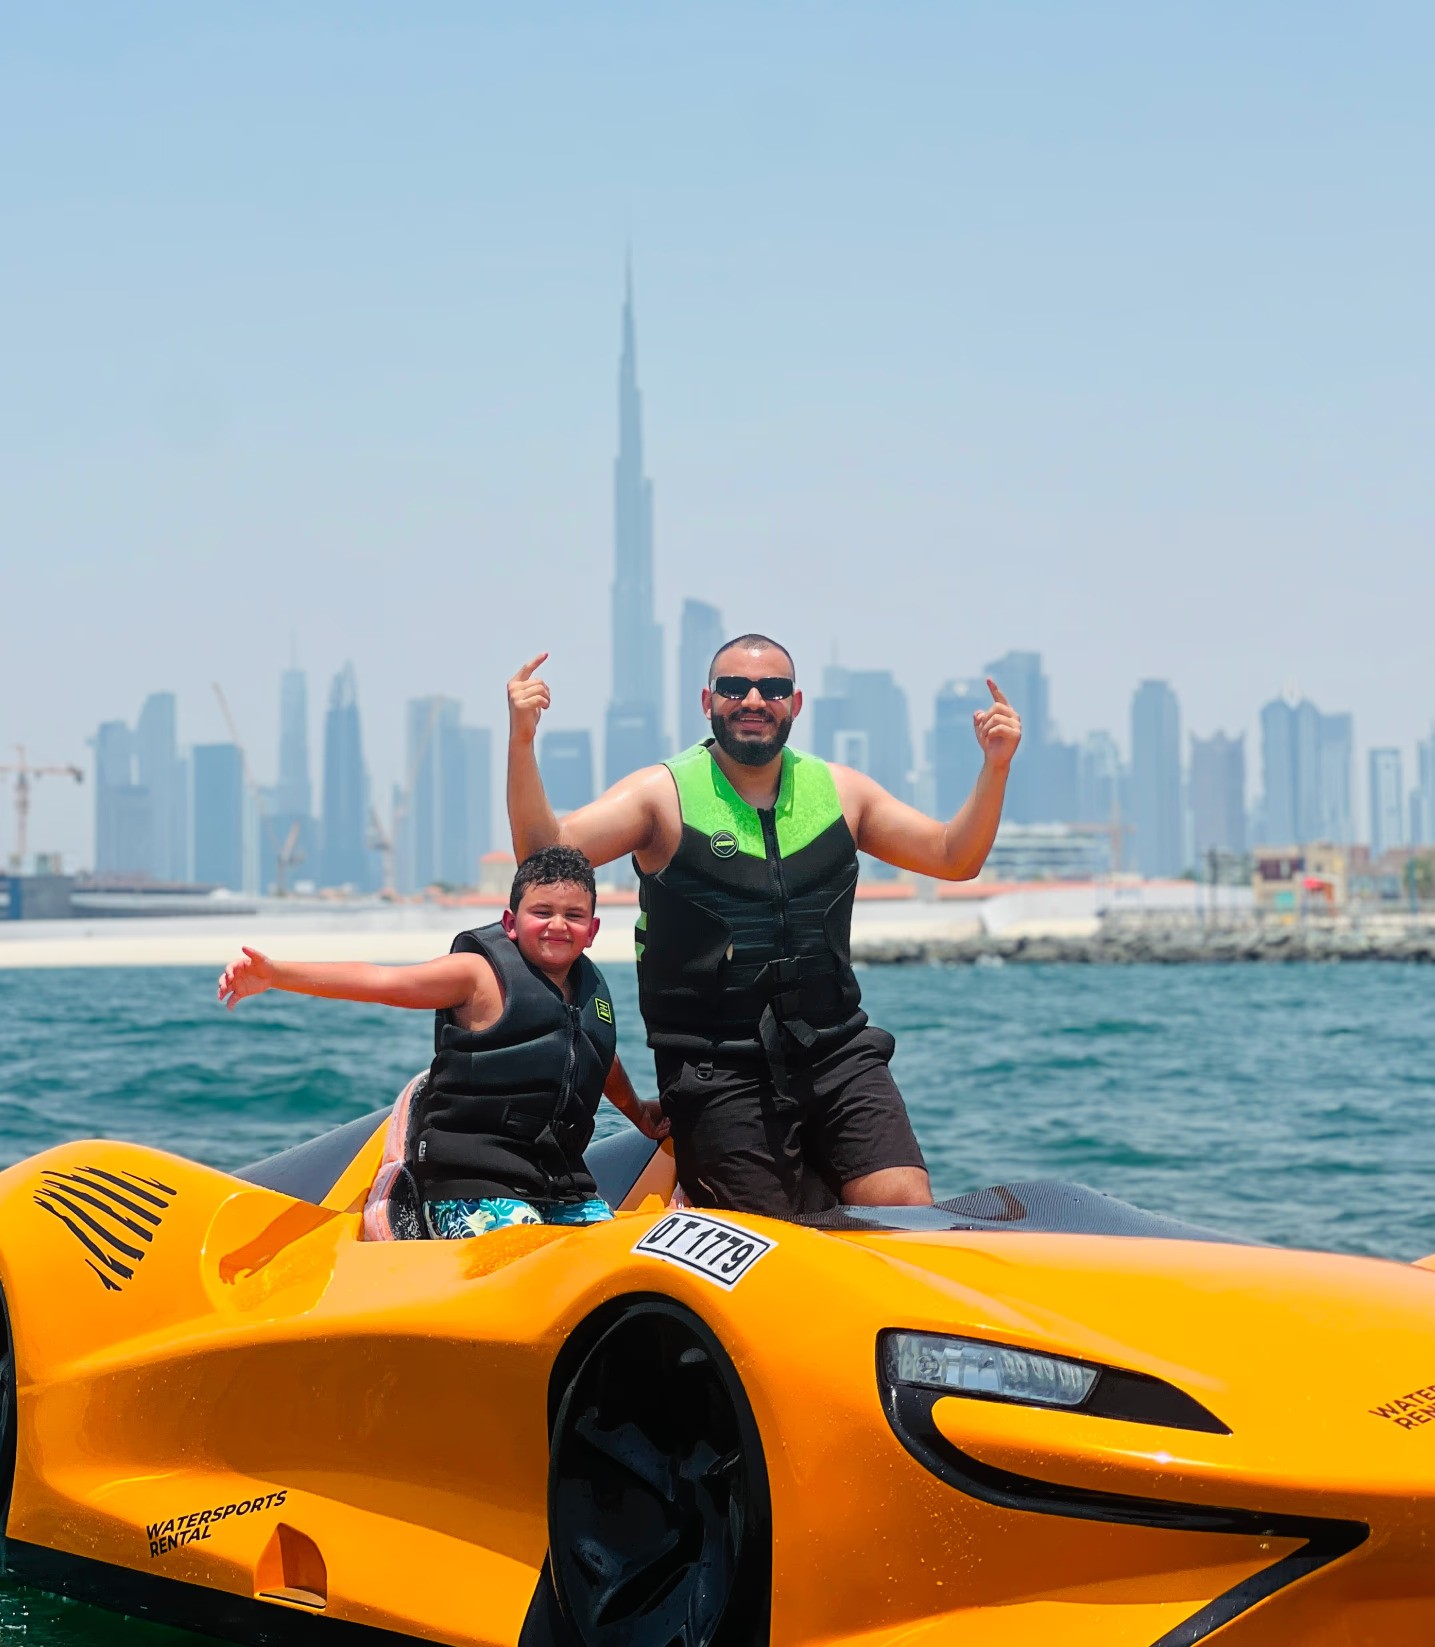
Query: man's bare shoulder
852 785
638 814
658 777
653 788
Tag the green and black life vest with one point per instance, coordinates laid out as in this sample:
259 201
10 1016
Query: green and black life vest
744 937
508 1110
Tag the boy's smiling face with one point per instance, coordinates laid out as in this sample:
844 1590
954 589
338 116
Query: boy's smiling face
553 925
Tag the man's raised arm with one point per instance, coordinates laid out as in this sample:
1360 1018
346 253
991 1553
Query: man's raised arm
953 851
622 820
530 817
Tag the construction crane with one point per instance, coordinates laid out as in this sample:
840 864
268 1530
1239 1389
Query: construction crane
286 853
381 840
23 772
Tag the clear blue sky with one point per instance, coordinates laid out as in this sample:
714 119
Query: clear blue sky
1104 330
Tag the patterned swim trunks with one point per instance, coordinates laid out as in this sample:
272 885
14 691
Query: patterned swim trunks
458 1220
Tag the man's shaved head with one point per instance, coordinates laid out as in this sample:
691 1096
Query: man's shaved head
749 643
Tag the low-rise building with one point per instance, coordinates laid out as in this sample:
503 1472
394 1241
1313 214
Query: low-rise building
1298 880
1048 852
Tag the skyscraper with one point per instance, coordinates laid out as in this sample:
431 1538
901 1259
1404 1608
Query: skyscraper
161 774
288 827
478 782
1422 798
1098 779
437 805
344 855
1277 809
700 637
1218 794
445 825
1306 760
219 815
635 713
1387 801
1335 820
956 754
1156 779
123 837
868 702
1021 679
565 762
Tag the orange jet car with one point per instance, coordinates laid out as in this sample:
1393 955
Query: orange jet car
1026 1416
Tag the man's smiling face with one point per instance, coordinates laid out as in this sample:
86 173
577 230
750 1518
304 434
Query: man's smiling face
748 724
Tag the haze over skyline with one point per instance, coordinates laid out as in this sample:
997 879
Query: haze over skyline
1104 335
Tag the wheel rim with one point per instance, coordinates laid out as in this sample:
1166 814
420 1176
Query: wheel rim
657 1493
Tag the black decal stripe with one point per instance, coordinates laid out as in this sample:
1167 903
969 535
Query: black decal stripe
107 1259
124 1184
154 1183
111 1194
119 1244
909 1411
56 1186
190 1606
110 1286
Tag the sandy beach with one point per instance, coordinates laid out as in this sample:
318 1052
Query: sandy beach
394 933
314 931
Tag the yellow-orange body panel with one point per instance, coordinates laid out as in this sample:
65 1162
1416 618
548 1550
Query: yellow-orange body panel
265 1382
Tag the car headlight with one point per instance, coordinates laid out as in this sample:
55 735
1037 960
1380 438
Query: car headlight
1000 1372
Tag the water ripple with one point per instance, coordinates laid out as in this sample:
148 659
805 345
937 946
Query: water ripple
1286 1103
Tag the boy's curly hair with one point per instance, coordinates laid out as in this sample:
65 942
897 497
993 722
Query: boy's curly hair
550 866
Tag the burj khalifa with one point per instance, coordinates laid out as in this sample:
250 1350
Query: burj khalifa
635 717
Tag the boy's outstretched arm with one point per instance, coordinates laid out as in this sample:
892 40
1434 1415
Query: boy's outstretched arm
645 1113
449 981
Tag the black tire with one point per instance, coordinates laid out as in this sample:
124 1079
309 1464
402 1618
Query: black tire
8 1421
659 1520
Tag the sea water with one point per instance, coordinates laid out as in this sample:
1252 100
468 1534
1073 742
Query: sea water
1288 1103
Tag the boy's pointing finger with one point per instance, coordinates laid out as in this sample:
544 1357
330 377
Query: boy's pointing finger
528 668
996 691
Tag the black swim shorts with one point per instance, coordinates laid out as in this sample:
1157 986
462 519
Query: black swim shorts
741 1144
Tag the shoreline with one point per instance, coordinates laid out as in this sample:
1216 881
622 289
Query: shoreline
395 934
1128 944
1152 922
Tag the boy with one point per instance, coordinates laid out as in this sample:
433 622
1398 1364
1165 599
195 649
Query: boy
524 1046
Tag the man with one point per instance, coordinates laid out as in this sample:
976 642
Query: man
746 855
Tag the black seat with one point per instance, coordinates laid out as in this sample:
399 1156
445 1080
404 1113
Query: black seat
311 1169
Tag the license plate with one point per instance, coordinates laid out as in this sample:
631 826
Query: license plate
720 1252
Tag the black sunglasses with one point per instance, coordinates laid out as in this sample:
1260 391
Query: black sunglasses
770 687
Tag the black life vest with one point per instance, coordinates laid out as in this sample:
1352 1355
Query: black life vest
744 937
508 1110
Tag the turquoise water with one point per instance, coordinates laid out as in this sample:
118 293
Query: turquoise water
1288 1103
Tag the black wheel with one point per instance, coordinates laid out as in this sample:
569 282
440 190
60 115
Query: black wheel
7 1420
659 1523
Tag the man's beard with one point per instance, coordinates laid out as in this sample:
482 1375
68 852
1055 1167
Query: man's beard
747 751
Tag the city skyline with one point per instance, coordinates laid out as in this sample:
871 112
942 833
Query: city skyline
167 812
1103 337
199 813
164 812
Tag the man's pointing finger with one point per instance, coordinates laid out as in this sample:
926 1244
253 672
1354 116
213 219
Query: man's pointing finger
533 663
997 692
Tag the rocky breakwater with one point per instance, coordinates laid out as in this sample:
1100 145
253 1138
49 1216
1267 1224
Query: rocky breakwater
1169 942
